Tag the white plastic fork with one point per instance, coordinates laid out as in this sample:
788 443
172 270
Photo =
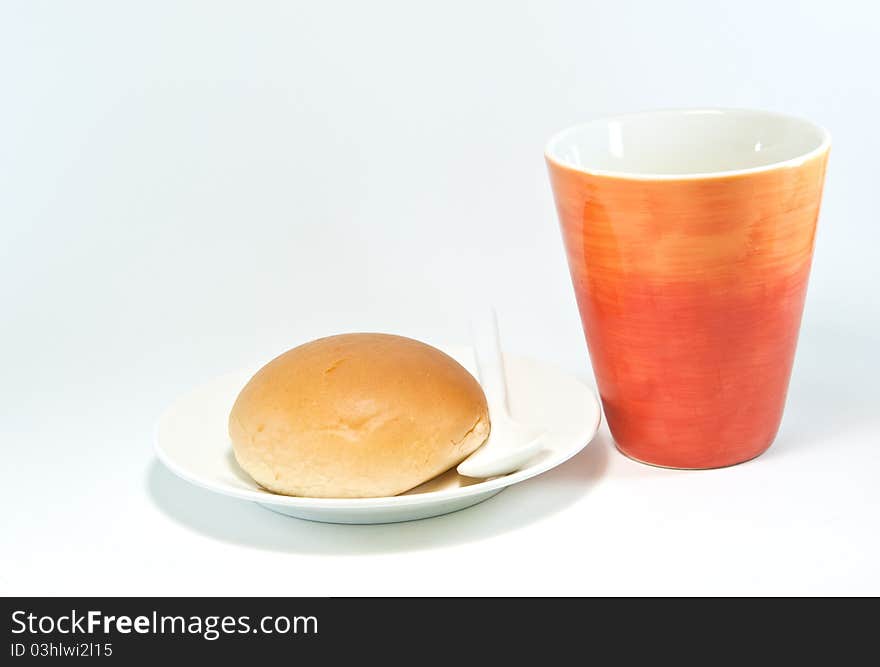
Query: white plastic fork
510 444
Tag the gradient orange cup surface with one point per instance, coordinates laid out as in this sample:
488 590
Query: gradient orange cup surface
691 288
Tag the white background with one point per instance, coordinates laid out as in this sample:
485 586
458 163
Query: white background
187 187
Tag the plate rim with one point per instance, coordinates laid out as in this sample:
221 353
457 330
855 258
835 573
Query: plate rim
381 502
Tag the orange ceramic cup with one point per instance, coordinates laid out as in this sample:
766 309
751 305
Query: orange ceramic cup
689 236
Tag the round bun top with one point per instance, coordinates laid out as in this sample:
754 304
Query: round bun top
357 415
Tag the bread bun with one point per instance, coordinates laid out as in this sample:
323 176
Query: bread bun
356 416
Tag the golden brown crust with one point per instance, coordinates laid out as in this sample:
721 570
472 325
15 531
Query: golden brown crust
357 415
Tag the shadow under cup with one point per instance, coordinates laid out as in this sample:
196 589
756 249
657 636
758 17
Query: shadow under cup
689 237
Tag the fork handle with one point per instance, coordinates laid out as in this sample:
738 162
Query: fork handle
490 360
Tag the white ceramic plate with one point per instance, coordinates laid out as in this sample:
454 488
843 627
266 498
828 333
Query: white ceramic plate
191 440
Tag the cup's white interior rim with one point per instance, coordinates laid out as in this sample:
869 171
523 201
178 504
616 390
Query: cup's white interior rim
685 144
